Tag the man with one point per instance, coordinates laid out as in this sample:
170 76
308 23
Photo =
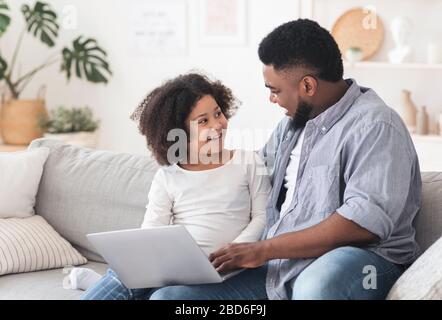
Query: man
345 185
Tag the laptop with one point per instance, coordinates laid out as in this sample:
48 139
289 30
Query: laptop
156 257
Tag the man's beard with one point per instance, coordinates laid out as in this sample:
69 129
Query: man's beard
302 115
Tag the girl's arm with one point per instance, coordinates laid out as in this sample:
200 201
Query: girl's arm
259 186
159 207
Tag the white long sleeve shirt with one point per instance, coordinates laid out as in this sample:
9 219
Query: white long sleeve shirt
217 206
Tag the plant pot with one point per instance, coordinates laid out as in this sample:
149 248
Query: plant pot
82 139
19 121
353 54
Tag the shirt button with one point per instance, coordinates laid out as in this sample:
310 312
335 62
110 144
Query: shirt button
323 129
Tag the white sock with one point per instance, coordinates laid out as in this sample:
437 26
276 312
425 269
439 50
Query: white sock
81 278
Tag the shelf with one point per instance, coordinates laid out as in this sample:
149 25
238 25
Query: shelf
427 138
386 65
11 148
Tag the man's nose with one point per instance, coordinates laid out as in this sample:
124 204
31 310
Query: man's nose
272 98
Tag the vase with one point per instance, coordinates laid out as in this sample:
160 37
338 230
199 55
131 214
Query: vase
434 53
19 121
401 30
422 121
440 123
408 110
353 54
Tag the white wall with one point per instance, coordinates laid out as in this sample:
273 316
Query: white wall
388 82
238 67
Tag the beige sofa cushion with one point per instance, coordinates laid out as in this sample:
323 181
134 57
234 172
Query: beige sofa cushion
20 174
42 285
87 191
423 280
428 222
31 244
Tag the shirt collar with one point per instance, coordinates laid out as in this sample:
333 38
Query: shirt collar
329 117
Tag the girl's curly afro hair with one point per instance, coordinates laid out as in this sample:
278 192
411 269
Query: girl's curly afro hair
168 106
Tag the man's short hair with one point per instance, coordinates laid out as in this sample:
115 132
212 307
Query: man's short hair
303 43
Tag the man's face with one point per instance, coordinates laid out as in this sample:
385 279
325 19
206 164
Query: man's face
288 92
282 91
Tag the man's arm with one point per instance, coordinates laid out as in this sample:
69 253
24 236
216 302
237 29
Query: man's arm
333 232
377 174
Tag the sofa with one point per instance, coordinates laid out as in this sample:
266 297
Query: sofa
84 191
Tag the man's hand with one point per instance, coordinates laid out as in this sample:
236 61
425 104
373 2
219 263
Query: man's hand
312 242
239 255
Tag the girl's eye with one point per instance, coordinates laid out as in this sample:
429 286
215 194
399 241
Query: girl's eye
218 114
202 121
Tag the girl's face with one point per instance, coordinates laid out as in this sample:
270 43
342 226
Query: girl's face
207 128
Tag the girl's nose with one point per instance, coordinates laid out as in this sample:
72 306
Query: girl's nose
218 126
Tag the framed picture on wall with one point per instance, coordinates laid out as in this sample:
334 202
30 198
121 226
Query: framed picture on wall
157 28
223 22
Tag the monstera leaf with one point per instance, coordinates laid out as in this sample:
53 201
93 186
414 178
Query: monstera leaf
88 59
42 22
3 67
4 18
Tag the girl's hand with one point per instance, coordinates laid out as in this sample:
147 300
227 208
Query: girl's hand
239 255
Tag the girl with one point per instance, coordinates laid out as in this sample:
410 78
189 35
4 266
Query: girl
219 195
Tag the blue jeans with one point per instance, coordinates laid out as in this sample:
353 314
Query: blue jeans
249 284
343 273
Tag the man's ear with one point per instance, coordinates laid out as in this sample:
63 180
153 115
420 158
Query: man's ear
309 86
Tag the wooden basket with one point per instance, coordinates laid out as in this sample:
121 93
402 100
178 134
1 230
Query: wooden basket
19 121
357 28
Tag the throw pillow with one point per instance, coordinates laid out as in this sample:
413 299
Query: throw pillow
423 279
20 174
31 244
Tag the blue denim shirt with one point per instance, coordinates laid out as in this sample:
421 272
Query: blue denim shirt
358 160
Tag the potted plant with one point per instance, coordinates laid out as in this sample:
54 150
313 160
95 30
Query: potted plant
71 125
354 54
84 58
